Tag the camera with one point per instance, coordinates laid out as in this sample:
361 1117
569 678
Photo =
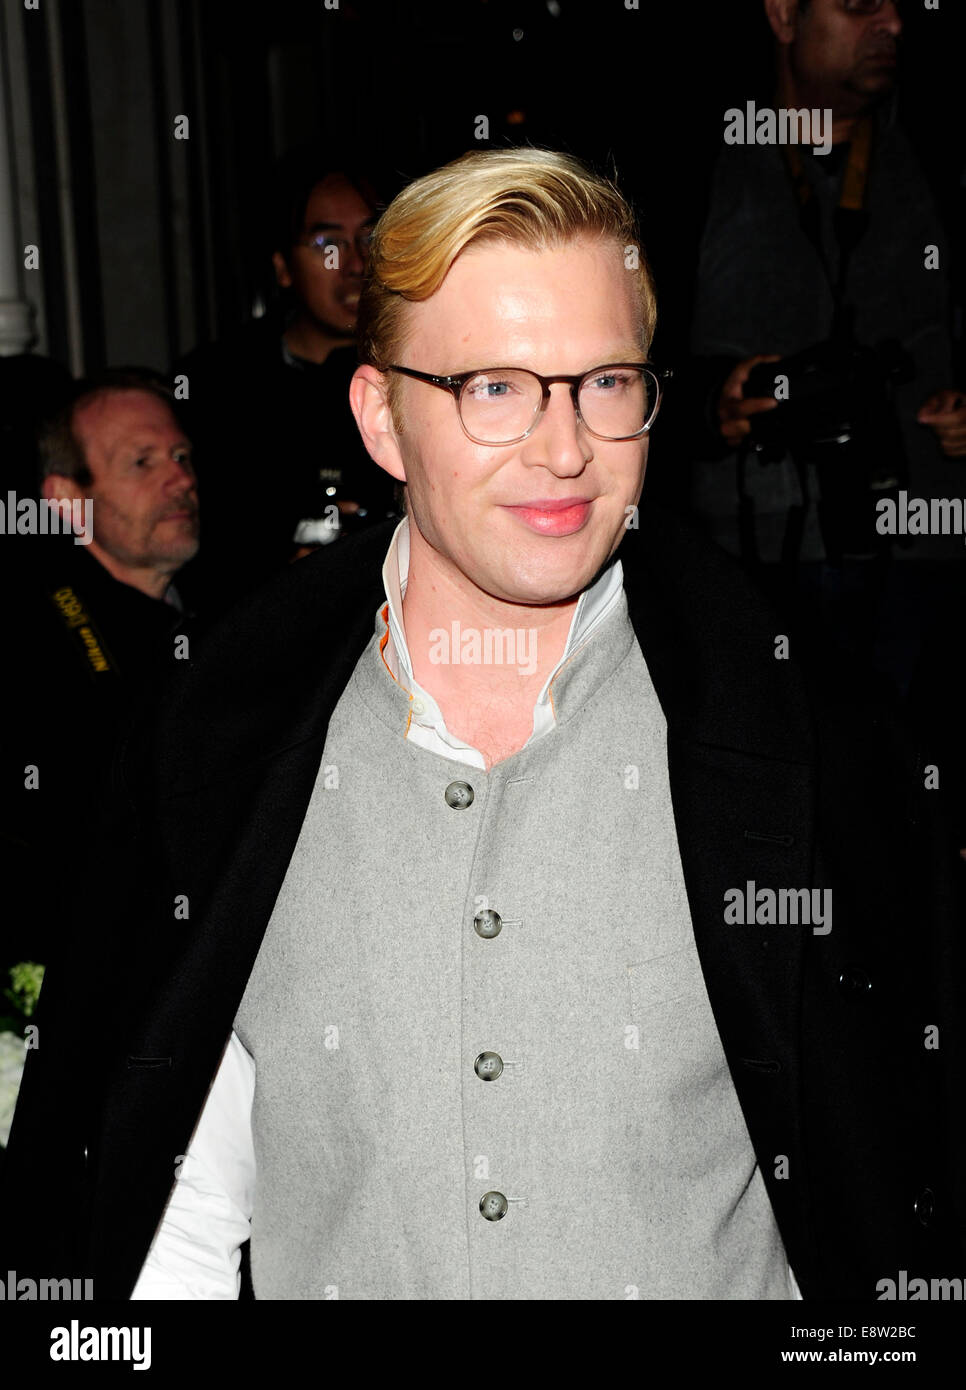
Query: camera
837 411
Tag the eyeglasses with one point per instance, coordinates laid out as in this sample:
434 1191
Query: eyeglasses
504 405
320 242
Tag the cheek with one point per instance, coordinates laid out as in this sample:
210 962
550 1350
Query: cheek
436 462
110 506
314 286
323 284
627 469
134 506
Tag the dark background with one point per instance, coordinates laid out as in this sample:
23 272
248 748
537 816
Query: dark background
150 245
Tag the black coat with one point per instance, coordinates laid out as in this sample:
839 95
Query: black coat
82 648
772 780
269 439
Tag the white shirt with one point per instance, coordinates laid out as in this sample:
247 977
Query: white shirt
196 1252
427 728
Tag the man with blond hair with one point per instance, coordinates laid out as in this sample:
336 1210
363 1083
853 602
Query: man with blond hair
454 1002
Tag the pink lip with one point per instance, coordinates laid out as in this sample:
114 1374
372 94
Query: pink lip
554 516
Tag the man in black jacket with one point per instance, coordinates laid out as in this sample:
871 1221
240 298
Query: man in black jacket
94 625
736 981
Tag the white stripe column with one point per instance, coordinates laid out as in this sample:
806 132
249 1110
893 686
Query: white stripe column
16 315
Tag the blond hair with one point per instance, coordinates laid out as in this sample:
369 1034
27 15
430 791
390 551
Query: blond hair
533 198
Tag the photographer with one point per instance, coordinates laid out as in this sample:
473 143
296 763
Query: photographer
822 345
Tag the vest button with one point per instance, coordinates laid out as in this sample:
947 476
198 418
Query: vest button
459 795
488 1066
493 1206
488 923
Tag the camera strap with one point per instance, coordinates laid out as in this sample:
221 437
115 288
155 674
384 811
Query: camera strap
747 533
86 639
850 219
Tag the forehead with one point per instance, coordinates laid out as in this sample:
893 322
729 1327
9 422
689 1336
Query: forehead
335 200
566 303
116 413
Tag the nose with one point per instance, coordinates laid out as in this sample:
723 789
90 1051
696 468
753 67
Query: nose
180 474
558 442
890 19
355 261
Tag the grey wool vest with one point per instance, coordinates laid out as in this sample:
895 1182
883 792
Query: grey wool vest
486 1064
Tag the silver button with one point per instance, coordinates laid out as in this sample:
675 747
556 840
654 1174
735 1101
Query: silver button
493 1206
488 1066
459 795
488 923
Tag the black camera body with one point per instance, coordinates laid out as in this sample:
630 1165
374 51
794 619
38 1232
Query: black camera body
836 410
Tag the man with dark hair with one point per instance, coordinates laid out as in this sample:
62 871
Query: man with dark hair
831 255
268 408
320 240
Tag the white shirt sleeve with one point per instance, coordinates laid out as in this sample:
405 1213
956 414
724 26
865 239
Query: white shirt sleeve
196 1252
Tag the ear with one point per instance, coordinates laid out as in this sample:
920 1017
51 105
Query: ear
370 406
782 15
283 276
57 486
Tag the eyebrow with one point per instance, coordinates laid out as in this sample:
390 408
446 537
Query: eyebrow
133 448
635 354
336 226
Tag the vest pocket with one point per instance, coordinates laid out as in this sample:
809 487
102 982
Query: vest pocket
665 980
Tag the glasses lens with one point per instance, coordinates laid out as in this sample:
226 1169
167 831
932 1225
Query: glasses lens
499 406
324 241
618 402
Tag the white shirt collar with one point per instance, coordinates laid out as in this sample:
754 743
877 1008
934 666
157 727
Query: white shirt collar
426 725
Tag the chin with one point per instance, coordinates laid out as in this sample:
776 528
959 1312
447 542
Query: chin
346 319
545 584
180 554
876 81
